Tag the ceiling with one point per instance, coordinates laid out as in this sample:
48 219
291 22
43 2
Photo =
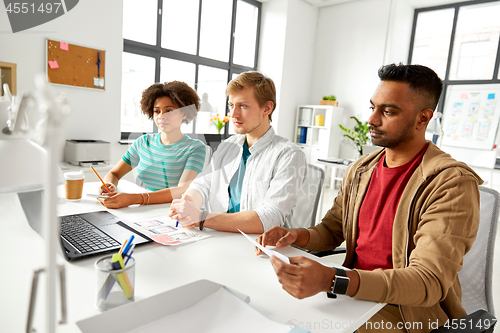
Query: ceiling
413 3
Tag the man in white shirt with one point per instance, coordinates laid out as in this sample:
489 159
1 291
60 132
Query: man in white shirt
254 177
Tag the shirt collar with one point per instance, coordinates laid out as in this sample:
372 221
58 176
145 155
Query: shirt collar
263 141
259 144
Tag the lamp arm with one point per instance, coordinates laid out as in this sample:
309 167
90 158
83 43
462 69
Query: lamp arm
54 111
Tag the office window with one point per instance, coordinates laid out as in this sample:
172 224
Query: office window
204 43
432 39
143 11
137 73
476 42
459 42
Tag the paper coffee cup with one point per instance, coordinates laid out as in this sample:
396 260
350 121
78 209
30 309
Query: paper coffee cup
74 185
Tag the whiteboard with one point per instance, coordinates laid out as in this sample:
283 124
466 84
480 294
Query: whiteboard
471 116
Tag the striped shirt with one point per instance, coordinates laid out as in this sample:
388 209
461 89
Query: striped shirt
160 166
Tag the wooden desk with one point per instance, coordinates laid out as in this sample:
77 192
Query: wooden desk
225 258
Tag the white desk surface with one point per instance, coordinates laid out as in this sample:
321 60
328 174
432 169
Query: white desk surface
225 258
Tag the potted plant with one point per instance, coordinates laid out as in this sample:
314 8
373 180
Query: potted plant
360 135
219 123
329 100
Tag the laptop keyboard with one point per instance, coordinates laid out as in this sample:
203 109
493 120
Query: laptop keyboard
83 236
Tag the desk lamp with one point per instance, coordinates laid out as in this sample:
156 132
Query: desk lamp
25 145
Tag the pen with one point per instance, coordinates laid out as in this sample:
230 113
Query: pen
176 224
127 247
130 255
98 63
102 181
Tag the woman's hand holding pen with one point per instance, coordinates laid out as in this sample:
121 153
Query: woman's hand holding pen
103 190
119 200
185 211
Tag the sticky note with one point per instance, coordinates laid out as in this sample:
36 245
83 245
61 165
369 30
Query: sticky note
53 64
64 46
491 96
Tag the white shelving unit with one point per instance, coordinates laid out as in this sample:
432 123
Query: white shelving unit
318 141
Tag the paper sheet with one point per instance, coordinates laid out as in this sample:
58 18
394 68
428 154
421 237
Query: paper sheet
267 251
218 312
162 230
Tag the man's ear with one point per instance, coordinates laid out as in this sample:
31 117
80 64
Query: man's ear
423 118
268 107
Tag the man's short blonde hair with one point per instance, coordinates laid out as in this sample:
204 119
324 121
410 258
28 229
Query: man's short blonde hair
264 89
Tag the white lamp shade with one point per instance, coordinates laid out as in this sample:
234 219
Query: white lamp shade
22 166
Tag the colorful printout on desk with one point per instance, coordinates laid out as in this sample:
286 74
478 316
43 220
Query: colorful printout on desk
163 230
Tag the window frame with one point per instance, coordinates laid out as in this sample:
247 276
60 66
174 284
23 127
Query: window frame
446 81
157 52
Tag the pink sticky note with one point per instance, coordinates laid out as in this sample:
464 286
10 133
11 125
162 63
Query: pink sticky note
64 46
53 64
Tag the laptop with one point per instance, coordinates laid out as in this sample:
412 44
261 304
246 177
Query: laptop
82 235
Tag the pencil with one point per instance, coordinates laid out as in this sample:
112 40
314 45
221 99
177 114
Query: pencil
123 245
102 181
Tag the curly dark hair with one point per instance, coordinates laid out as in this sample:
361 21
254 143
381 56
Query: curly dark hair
179 92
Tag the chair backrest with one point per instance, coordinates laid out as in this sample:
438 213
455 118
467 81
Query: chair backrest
306 208
477 271
208 157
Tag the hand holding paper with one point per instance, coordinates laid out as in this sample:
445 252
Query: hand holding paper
267 251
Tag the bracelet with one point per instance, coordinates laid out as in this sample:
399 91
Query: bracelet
143 199
147 203
204 214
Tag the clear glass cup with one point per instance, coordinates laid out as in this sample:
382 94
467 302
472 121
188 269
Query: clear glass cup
114 287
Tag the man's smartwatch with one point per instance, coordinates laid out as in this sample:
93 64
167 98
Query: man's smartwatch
340 283
204 214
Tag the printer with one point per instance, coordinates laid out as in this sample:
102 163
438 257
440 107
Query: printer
87 152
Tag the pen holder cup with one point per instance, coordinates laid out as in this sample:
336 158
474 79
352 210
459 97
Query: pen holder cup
115 287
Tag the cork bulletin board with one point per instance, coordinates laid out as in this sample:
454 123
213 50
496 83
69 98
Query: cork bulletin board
75 65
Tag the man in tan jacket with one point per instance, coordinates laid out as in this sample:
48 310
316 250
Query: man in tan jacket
408 214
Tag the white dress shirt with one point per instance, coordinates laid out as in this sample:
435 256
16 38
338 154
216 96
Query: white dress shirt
275 172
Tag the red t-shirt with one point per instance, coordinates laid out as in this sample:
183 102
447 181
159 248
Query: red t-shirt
376 215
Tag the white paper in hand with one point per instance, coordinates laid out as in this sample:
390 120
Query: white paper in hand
267 251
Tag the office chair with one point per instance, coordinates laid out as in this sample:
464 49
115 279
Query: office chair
477 296
305 211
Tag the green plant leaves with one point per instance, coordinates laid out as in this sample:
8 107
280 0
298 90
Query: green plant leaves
360 135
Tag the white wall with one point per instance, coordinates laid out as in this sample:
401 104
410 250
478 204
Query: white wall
350 47
272 45
91 23
353 40
286 55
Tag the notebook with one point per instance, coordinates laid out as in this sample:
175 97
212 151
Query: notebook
82 235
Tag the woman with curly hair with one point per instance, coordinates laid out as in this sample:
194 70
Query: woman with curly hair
166 162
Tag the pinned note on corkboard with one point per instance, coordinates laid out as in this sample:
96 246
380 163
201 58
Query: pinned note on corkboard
75 65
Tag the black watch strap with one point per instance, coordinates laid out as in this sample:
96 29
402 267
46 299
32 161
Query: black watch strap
204 214
340 283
